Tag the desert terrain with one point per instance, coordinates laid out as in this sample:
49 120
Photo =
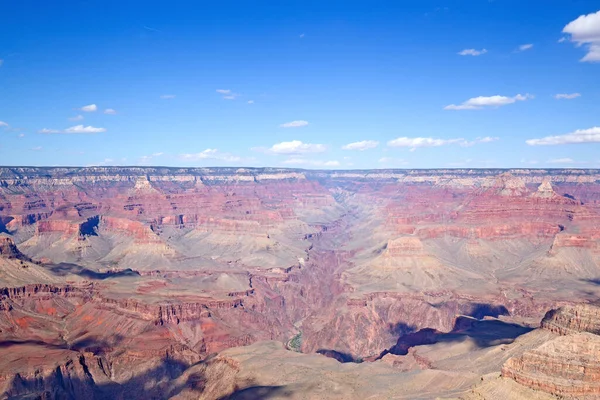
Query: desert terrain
268 283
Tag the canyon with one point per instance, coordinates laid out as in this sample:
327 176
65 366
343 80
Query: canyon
245 283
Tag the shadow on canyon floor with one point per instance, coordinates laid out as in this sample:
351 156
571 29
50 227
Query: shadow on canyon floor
338 356
482 310
160 382
595 281
64 269
257 392
484 333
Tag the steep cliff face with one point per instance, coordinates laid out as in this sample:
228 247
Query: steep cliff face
567 366
573 319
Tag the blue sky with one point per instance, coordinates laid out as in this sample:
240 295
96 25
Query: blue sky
307 84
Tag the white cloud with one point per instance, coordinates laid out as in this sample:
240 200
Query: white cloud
478 103
144 160
4 124
107 161
313 163
75 129
487 139
472 52
294 124
76 118
585 31
525 47
46 130
301 35
417 142
21 135
167 96
591 135
361 146
37 148
293 147
567 96
84 129
110 111
562 39
228 94
210 154
89 108
250 101
565 160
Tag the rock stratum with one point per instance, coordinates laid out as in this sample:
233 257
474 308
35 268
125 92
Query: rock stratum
218 283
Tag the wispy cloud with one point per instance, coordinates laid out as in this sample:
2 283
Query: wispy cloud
110 111
472 52
89 108
525 47
591 135
312 163
74 130
294 124
487 139
151 29
565 160
167 96
4 124
567 96
585 31
361 146
76 118
418 142
481 102
145 160
302 35
293 147
228 94
250 101
106 161
210 154
21 135
37 148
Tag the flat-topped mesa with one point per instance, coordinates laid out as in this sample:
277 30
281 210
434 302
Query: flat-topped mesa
568 366
573 319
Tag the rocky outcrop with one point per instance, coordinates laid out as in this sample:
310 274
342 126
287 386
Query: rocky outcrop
8 249
567 366
568 320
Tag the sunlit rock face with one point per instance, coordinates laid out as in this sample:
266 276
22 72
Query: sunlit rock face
114 279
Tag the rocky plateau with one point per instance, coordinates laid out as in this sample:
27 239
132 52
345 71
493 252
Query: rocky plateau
244 283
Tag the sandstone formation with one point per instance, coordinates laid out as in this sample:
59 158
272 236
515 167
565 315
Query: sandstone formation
145 277
567 366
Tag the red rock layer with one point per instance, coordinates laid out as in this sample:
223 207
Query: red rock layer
567 366
573 319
